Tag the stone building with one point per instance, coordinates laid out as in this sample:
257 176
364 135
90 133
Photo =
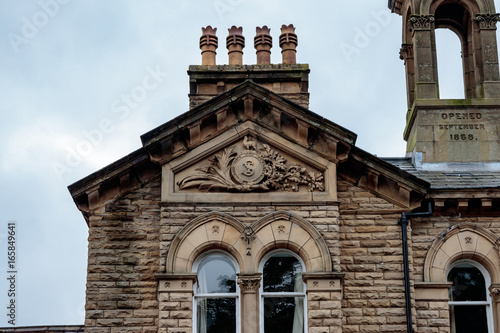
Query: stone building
250 213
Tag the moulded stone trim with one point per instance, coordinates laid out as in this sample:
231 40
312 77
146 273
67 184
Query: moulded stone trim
193 238
303 239
248 245
462 241
474 6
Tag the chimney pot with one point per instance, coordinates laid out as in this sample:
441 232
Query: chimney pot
288 44
263 43
208 45
235 43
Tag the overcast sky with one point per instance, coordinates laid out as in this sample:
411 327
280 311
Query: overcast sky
66 65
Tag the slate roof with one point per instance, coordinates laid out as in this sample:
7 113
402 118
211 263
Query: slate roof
447 179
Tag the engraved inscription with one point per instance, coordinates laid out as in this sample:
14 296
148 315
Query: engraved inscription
461 121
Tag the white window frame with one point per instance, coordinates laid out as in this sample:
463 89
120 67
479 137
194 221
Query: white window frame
235 295
487 282
280 294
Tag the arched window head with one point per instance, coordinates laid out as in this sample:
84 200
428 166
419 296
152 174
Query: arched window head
470 303
216 294
283 293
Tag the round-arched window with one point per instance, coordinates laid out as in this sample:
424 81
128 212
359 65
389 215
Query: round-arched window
470 303
216 294
283 293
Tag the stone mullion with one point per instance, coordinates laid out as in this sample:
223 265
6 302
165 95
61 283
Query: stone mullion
249 288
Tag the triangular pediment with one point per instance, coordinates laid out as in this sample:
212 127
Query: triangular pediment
248 101
249 164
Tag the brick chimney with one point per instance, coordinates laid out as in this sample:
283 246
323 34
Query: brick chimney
289 79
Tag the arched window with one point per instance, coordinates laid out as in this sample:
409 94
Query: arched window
216 305
470 303
282 293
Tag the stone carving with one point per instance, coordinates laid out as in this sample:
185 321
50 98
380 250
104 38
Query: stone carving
248 235
184 284
249 283
167 284
406 51
281 229
487 21
215 229
252 170
421 22
315 284
468 240
495 294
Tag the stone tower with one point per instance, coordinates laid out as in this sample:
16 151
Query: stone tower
445 134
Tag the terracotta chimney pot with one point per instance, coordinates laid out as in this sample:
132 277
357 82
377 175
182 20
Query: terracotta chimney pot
263 43
235 43
288 44
208 45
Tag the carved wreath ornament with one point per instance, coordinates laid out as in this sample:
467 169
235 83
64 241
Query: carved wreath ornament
252 170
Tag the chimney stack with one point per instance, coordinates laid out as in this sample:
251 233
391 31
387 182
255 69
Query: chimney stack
235 43
263 43
288 44
208 45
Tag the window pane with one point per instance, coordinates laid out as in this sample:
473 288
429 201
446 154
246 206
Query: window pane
468 319
468 284
216 315
284 314
282 273
216 274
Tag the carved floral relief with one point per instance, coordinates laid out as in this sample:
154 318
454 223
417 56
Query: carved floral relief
252 169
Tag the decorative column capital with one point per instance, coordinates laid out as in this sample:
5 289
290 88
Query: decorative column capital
421 22
406 51
495 293
487 21
249 283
